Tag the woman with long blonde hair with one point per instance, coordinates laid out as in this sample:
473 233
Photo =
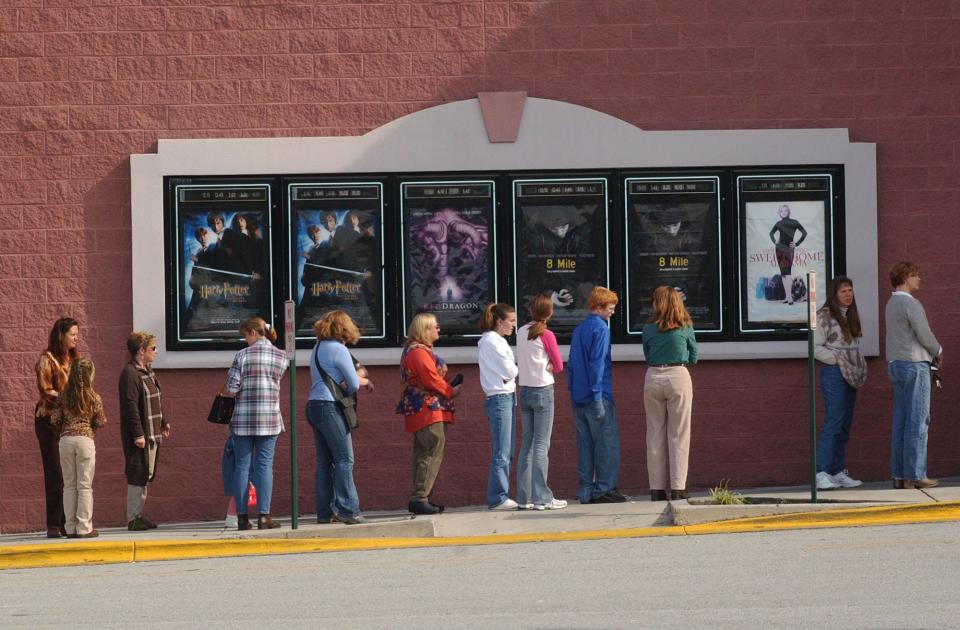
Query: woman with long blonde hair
78 415
669 345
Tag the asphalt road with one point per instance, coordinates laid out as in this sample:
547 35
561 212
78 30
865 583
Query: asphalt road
877 577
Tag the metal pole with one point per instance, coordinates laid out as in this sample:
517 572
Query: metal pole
294 507
290 345
812 380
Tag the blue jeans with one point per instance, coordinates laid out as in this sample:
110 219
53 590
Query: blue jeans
911 418
228 466
243 447
536 415
502 415
598 448
838 400
336 492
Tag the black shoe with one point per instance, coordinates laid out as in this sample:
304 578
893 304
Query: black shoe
603 498
137 525
658 495
356 519
265 521
150 524
616 494
439 506
422 507
678 494
243 522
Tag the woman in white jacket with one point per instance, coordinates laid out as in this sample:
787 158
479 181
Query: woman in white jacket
498 371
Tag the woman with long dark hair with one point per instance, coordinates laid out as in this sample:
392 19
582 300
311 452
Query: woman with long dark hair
498 371
538 359
53 371
669 346
254 379
836 343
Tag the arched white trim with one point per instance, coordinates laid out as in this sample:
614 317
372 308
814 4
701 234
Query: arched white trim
553 135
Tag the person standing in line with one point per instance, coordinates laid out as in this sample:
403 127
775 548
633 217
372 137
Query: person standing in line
590 382
498 371
669 345
254 379
142 425
836 344
336 492
78 415
427 406
911 350
53 370
538 359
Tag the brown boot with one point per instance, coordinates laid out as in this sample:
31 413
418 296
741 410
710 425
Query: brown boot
243 522
264 521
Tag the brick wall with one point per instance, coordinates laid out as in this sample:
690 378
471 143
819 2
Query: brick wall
84 83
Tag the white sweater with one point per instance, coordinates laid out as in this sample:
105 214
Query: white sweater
498 367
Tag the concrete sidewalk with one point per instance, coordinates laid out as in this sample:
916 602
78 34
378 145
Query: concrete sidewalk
769 508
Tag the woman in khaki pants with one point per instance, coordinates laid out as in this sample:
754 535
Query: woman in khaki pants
669 345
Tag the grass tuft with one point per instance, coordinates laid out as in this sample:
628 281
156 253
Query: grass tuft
723 495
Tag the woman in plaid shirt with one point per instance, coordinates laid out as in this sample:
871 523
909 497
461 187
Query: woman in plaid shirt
254 379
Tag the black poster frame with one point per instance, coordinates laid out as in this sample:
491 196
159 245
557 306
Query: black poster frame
176 263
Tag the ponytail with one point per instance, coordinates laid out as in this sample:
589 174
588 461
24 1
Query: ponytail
259 326
493 314
541 310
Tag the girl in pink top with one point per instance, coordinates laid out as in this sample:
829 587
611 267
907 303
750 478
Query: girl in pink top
538 358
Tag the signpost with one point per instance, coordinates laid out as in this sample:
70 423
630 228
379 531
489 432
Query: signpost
290 344
812 396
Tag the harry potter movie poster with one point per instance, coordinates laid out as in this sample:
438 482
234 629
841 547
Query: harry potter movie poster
560 231
448 246
782 241
672 239
336 242
223 258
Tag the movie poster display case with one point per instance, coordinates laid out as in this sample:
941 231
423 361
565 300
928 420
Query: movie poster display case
786 224
219 257
673 237
336 245
448 252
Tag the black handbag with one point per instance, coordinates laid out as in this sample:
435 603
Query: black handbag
222 410
346 402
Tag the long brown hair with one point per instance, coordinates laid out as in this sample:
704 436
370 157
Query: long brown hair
541 310
78 397
55 345
849 323
668 309
494 313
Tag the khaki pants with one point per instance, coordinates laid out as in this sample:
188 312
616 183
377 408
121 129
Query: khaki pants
428 445
137 495
668 402
78 458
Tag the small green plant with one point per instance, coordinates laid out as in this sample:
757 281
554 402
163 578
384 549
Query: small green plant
723 495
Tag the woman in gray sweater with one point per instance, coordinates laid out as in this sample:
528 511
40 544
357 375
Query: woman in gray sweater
911 349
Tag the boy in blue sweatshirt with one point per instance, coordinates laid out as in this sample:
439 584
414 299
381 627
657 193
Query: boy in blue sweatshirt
591 391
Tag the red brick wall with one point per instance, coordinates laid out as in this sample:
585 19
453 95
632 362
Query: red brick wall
84 83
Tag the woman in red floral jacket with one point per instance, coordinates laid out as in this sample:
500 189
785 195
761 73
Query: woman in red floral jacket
427 404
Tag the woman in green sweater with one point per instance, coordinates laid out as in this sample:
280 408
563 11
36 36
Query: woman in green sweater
669 345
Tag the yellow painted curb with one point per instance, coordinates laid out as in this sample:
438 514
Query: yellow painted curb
65 554
104 552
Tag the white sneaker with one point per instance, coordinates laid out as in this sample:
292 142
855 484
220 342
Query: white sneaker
844 480
825 481
555 504
525 506
508 504
230 521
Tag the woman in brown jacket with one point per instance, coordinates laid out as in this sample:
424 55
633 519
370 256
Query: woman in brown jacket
142 425
52 369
